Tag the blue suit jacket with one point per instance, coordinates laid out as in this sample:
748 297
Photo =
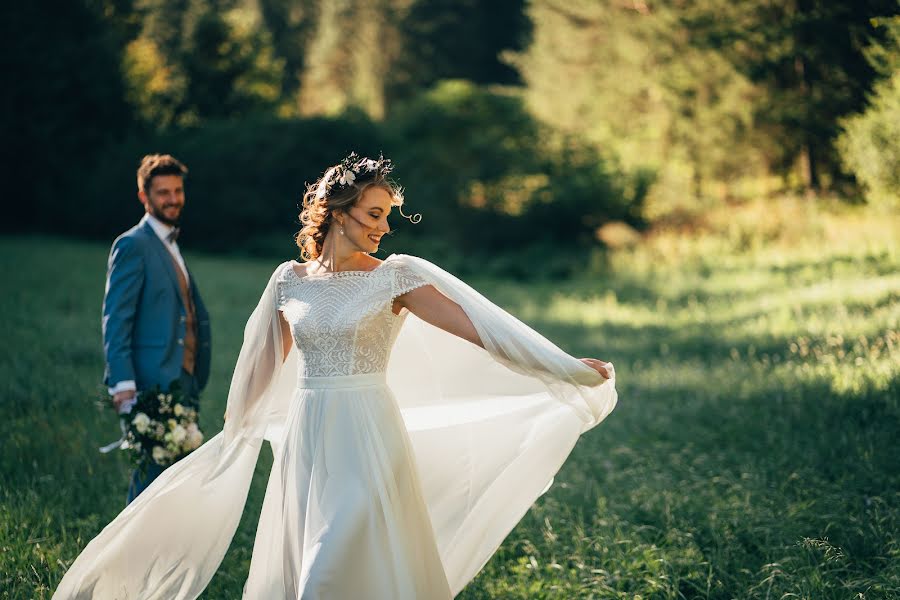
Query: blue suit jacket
144 317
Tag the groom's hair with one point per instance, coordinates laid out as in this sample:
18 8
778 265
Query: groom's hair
158 164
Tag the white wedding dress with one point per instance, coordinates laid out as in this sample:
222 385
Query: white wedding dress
403 455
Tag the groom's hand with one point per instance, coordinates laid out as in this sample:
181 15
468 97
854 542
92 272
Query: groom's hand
122 397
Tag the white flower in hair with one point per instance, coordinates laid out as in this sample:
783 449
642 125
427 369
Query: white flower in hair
371 165
348 177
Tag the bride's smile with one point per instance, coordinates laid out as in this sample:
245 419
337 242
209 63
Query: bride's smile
367 220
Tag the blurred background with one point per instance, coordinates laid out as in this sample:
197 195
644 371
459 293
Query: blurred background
703 191
526 127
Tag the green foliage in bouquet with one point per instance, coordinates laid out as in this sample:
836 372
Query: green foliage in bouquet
163 426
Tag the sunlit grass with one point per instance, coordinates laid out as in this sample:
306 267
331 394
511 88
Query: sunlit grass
753 453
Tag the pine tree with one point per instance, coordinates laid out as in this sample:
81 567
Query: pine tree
629 79
807 57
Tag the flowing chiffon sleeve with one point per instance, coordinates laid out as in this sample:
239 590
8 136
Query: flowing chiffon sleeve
489 427
170 540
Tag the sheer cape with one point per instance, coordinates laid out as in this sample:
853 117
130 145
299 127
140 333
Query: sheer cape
489 427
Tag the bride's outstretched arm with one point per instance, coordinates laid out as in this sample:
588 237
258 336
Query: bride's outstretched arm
433 307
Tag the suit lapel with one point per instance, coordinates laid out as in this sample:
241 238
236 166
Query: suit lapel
167 259
195 293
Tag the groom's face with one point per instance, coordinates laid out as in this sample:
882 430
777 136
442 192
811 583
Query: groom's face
165 199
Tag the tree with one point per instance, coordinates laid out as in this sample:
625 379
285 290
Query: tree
291 24
870 143
370 55
630 80
807 56
457 39
200 59
349 57
62 104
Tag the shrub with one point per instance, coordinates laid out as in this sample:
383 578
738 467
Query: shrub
495 189
245 182
870 144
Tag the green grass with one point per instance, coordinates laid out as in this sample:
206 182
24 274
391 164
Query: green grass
754 452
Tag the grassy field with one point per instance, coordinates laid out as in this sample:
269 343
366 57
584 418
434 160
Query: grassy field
754 452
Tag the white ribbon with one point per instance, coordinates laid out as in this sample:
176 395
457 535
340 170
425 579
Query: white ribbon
122 442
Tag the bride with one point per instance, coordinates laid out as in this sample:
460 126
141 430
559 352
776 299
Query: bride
412 423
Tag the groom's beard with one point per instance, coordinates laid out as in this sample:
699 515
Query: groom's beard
159 213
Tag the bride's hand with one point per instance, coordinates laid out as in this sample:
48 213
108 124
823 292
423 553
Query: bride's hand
597 365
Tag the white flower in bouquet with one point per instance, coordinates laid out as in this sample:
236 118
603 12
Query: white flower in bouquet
141 422
172 423
179 410
160 430
178 434
194 436
159 455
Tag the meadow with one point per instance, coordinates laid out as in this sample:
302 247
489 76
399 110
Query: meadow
754 452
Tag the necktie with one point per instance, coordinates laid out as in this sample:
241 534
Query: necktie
173 235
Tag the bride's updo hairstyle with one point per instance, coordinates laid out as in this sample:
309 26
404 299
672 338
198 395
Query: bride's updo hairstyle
340 188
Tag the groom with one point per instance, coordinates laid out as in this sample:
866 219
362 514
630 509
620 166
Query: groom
155 326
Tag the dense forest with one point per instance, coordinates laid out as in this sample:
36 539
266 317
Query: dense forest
535 121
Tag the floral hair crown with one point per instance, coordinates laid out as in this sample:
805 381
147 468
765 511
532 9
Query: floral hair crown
353 166
349 169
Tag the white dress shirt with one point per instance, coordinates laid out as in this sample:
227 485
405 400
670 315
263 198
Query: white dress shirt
162 230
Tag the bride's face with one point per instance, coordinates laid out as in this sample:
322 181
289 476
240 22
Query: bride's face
367 221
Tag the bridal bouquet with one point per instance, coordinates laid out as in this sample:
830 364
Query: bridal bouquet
162 427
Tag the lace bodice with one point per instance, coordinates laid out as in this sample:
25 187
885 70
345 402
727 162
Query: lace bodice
342 322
